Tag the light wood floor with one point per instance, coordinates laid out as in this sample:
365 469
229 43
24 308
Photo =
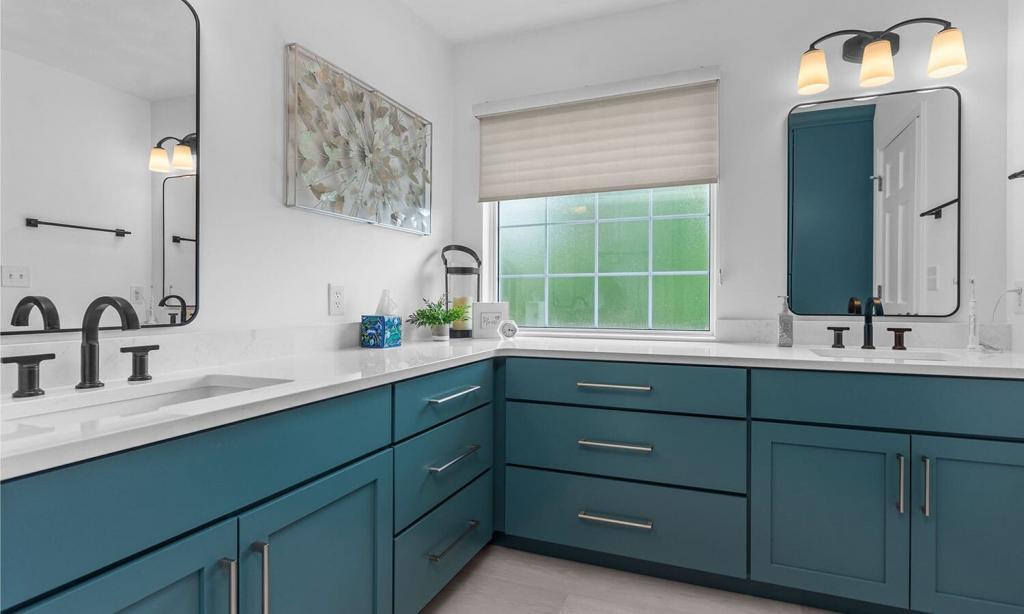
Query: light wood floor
505 581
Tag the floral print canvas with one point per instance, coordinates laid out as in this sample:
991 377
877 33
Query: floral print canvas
352 151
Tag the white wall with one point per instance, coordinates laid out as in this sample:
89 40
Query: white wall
78 164
265 265
1015 161
757 47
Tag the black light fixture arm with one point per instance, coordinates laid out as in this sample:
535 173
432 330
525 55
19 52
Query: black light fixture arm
878 35
190 139
822 39
939 22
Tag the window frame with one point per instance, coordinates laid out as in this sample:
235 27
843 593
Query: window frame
493 279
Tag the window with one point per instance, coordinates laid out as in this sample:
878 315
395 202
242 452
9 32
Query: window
635 259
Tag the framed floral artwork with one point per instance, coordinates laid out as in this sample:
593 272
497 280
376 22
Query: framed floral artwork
353 152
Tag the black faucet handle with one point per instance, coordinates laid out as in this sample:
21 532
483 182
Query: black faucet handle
28 373
897 337
140 361
837 335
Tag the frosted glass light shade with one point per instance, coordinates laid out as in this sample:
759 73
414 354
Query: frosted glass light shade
948 56
182 159
158 160
877 68
813 77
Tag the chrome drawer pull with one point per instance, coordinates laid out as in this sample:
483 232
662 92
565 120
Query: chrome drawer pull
614 387
927 507
470 451
642 448
454 395
900 501
232 566
470 527
646 525
263 549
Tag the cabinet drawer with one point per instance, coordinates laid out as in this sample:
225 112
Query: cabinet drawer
684 450
719 391
673 526
432 466
962 406
62 524
425 401
432 551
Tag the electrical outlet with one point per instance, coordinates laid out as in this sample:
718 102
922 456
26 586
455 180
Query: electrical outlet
138 294
15 276
1017 298
335 299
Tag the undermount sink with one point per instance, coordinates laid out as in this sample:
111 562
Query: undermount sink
883 354
89 412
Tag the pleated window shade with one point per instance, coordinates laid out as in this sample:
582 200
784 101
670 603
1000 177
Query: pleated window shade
665 137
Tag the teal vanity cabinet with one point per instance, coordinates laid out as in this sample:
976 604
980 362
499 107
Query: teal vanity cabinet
968 545
193 575
830 511
323 547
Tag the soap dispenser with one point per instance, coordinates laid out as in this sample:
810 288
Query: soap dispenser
785 324
973 343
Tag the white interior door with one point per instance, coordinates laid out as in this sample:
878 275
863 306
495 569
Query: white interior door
896 227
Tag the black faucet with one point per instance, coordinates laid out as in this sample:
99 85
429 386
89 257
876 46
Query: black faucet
91 335
181 305
873 308
51 319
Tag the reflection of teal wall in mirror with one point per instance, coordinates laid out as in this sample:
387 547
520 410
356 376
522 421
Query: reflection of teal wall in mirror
831 210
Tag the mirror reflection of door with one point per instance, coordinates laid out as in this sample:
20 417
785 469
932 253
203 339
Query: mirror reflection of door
874 206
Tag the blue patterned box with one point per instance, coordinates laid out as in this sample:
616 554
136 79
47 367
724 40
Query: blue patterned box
380 332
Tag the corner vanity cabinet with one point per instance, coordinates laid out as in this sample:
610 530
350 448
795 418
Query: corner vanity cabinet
843 490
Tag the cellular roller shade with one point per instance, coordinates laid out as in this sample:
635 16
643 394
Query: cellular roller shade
666 137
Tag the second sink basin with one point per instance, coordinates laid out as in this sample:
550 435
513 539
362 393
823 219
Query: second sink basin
883 354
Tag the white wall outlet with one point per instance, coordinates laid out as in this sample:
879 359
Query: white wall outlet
16 276
335 299
1017 298
138 295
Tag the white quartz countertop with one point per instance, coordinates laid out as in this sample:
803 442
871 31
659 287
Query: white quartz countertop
43 433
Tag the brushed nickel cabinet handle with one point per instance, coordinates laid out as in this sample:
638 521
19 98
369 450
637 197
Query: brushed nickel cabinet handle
470 527
646 525
232 566
263 549
642 448
454 395
902 481
927 507
614 387
470 451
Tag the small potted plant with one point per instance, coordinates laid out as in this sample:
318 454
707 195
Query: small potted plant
438 316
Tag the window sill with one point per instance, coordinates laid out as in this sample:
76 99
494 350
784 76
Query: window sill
638 335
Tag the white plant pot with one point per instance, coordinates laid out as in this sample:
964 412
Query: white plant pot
439 333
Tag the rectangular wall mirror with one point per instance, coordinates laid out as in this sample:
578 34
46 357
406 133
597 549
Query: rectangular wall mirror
874 203
100 168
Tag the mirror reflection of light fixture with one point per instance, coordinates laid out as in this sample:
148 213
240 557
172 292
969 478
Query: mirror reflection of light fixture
182 159
874 52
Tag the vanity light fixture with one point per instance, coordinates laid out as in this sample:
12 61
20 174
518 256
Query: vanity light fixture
874 52
181 158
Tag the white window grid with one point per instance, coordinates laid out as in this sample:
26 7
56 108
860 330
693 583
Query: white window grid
596 222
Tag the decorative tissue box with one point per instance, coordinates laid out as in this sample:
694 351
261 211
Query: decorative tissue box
380 331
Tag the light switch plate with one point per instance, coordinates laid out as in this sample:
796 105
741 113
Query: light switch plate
1017 298
16 276
335 299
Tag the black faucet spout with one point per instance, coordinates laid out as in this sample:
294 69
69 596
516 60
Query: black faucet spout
51 319
182 306
91 335
872 307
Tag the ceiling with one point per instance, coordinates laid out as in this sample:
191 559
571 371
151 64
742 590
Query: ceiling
462 21
144 47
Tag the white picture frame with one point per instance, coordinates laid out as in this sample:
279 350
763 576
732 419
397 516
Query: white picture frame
486 318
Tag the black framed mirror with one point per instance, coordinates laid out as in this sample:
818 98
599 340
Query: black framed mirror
874 203
101 156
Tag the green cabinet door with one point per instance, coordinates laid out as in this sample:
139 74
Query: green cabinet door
194 575
825 511
325 547
968 546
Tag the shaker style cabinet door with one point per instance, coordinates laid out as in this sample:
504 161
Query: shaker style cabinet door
968 526
194 575
325 547
829 511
